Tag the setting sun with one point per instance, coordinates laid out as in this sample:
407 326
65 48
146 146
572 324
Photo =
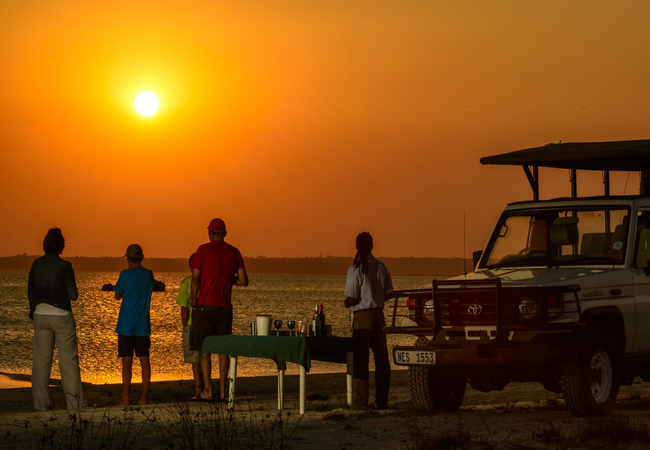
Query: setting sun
146 103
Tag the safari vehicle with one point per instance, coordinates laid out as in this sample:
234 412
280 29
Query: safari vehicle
559 295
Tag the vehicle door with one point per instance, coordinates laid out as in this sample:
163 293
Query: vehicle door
640 273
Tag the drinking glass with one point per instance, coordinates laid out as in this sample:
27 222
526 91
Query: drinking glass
278 324
291 324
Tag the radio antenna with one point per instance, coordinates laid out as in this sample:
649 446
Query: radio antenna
464 270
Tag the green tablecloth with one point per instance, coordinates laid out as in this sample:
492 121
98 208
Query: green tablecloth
298 350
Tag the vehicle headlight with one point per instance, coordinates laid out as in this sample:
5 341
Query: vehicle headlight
428 310
528 308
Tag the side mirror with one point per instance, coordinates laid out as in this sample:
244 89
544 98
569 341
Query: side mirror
476 257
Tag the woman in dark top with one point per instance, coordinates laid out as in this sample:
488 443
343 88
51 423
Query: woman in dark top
50 290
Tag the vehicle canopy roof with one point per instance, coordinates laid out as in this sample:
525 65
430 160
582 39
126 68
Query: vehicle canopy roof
603 156
615 155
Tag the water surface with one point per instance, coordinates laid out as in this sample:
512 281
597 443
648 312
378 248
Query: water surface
286 297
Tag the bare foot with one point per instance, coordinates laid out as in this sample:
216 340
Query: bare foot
123 402
142 401
206 395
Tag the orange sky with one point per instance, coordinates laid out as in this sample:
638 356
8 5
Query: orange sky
301 123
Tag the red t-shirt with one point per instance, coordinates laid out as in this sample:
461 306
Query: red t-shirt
218 263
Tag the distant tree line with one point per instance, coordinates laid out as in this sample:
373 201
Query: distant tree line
329 265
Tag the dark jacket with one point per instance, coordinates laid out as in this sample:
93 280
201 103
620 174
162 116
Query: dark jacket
51 281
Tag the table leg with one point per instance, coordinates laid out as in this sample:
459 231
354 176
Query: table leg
302 390
233 376
282 366
348 376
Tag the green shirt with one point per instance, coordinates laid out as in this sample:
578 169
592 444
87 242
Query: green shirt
184 296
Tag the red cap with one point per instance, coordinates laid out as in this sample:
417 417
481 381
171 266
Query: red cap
217 225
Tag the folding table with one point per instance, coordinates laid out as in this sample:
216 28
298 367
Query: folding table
296 349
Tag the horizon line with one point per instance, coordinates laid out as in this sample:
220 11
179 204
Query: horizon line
25 255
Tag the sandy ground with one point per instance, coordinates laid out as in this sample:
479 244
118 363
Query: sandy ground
523 415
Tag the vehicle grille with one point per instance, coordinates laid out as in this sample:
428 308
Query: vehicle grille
456 303
476 310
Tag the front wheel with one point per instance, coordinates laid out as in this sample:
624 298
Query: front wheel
591 377
433 388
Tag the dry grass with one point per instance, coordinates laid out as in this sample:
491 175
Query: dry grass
111 430
615 432
175 426
612 431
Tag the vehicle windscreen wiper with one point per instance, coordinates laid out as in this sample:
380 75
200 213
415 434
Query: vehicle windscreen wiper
589 259
515 261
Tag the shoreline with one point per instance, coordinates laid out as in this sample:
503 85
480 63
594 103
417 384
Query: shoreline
13 381
10 381
259 389
15 390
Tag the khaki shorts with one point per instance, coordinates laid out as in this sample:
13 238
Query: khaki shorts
189 356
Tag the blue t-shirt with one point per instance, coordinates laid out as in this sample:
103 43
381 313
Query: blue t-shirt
135 285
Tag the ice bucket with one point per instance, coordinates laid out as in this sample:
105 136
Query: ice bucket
264 324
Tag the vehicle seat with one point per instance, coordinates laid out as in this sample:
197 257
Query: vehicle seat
593 244
564 234
618 233
620 230
643 252
642 245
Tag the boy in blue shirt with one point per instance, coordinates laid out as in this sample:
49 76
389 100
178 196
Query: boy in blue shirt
133 329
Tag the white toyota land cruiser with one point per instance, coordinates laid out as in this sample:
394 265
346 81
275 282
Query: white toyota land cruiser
560 294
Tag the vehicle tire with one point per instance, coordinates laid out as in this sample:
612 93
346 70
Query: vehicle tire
433 388
591 375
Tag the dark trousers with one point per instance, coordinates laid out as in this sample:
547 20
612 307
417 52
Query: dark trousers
368 333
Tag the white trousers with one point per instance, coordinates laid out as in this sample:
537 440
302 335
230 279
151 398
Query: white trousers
49 329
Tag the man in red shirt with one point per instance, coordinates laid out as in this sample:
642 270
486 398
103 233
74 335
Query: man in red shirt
216 267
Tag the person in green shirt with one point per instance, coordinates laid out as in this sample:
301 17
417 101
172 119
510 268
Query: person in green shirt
190 356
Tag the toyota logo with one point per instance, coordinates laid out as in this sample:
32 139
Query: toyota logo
475 310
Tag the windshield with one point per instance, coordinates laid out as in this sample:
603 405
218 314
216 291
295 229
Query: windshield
559 237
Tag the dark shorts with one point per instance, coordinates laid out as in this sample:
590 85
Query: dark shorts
126 345
209 321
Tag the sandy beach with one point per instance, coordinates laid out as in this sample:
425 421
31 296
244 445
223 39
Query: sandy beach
523 415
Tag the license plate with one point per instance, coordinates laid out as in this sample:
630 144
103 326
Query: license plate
414 357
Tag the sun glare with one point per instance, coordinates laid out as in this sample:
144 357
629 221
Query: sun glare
146 103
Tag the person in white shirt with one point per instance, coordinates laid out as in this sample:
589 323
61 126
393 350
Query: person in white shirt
366 285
